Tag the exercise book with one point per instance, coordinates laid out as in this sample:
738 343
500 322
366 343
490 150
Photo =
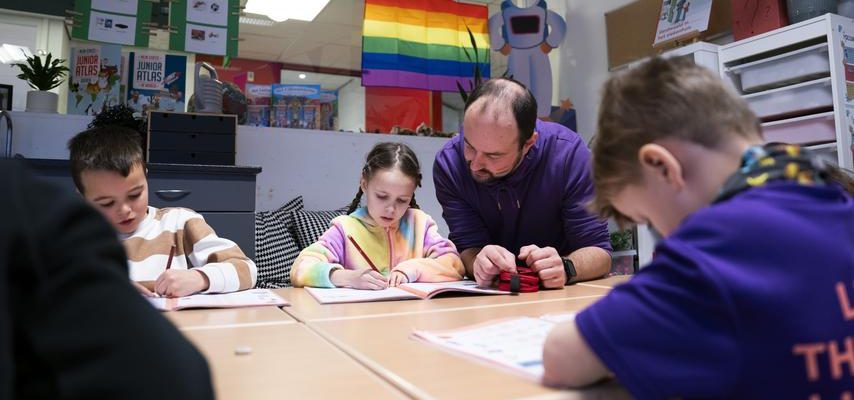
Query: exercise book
246 298
406 291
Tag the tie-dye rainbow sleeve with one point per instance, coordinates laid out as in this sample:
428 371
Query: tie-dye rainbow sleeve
315 263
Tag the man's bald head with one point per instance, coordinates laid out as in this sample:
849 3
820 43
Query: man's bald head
503 98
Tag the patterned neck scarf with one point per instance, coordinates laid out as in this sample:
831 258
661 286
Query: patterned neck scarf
774 162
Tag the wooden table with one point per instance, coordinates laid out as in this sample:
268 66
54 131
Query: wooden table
304 307
364 350
608 282
286 361
228 317
422 370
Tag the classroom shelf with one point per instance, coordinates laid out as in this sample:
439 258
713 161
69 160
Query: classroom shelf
801 71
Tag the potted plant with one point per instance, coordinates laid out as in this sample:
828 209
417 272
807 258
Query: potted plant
42 76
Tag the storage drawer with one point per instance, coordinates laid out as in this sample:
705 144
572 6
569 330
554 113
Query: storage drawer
190 122
202 142
201 192
237 227
810 129
803 98
190 157
797 66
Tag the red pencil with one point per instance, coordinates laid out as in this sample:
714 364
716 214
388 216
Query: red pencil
362 252
171 254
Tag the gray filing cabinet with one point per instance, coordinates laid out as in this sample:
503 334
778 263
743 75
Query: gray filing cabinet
223 194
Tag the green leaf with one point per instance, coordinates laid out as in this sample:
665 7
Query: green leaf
43 75
463 93
473 44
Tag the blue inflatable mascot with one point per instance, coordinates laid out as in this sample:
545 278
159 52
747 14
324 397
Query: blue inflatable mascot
527 35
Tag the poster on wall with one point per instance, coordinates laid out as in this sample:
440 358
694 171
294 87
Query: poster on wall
295 106
128 7
205 39
328 110
848 64
94 79
681 17
156 82
111 21
205 26
209 12
258 99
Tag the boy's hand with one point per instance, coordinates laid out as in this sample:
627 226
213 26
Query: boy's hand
180 282
142 289
397 278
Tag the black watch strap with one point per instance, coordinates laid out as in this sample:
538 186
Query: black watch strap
569 269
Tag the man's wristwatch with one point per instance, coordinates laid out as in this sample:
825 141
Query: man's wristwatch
569 269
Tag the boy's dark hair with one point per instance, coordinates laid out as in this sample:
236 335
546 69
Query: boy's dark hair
105 148
506 91
389 155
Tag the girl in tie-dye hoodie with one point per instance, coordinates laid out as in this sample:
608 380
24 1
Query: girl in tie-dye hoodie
389 232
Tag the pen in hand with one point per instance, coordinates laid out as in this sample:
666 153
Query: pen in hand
171 255
364 255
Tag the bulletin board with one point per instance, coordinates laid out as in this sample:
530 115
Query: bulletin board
631 29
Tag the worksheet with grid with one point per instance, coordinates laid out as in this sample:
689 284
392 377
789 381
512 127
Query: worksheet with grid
515 343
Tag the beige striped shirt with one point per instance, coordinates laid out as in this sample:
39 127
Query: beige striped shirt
197 246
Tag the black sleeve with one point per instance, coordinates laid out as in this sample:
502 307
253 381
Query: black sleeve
80 329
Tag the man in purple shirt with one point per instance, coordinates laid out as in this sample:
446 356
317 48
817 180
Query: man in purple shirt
512 186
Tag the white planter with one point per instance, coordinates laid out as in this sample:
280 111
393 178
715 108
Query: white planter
42 101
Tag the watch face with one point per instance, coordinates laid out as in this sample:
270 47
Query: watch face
569 268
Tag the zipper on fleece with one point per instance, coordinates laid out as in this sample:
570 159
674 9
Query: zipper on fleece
390 250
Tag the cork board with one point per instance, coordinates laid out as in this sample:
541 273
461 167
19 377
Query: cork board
631 29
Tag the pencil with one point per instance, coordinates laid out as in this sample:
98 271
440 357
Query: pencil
171 254
362 252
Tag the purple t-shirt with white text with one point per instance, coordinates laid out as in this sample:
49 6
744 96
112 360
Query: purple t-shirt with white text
542 202
749 298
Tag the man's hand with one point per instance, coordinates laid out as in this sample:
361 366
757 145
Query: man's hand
490 261
547 263
505 49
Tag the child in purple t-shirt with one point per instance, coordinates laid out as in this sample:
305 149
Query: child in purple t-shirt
751 292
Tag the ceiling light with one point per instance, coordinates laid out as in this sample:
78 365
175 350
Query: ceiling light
278 10
301 76
244 19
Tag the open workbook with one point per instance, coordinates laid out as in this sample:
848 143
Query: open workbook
513 343
406 291
246 298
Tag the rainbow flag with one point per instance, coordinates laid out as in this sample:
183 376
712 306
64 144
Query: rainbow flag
420 44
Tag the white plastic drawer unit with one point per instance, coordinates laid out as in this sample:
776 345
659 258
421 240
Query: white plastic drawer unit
818 128
792 101
808 63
